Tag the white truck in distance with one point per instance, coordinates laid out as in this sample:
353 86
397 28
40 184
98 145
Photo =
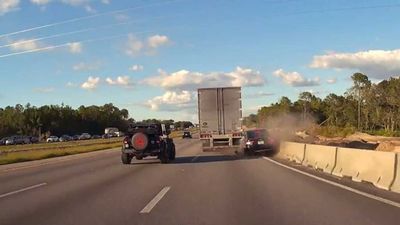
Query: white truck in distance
220 118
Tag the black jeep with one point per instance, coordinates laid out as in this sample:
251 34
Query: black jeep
144 140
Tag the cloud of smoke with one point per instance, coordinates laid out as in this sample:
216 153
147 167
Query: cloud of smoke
288 127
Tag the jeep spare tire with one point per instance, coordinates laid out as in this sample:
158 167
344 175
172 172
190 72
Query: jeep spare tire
140 141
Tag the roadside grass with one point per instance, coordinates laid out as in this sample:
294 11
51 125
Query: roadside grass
57 145
30 155
332 131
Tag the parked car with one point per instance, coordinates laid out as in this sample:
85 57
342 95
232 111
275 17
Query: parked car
85 136
17 140
52 139
75 137
257 141
34 139
65 138
187 134
96 136
3 141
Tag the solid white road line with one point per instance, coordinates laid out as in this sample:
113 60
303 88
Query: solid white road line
194 158
383 200
22 190
155 200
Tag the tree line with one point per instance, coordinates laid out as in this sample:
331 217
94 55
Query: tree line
62 119
365 106
58 120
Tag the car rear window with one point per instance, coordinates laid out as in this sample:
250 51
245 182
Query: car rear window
256 134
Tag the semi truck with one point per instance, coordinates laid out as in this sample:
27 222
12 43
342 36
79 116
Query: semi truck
220 118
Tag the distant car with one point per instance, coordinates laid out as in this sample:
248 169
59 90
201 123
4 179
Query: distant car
95 136
187 134
75 137
65 138
85 136
34 139
3 141
52 139
17 140
112 135
257 141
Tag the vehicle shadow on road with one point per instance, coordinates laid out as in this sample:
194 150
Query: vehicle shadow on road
202 159
211 159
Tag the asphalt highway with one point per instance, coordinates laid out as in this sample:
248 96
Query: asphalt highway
198 188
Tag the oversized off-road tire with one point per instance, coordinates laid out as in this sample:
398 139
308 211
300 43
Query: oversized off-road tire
126 158
140 141
164 157
171 152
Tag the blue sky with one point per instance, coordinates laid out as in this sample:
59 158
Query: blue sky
150 56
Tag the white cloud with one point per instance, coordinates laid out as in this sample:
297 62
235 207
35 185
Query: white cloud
331 81
8 6
24 45
40 2
172 101
105 1
120 80
82 66
121 17
259 94
157 41
70 84
90 9
187 80
135 46
295 79
75 47
374 63
91 83
44 90
136 68
76 2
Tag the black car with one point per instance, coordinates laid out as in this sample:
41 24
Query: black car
143 140
75 137
187 134
65 138
34 139
257 141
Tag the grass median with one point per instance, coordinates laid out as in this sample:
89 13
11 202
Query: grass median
56 150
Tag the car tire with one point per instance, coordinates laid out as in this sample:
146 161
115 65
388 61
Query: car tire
138 157
164 158
172 152
125 158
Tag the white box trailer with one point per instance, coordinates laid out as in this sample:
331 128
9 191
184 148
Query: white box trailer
220 117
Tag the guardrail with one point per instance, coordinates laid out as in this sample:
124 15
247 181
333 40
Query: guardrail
379 168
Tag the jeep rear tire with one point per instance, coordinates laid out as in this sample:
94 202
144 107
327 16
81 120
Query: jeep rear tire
126 158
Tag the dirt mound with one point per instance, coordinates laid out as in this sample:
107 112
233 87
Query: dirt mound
386 146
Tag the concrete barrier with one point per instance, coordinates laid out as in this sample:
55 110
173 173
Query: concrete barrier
292 151
363 165
396 183
320 157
